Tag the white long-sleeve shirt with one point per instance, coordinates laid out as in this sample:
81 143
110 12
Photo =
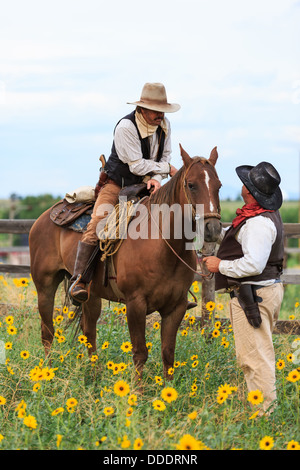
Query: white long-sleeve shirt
128 148
256 237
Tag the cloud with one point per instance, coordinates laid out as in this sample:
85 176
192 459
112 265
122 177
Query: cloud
291 134
32 101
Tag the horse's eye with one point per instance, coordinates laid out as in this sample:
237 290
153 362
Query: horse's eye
191 186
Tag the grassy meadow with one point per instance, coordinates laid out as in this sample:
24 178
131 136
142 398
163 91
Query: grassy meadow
289 210
89 403
78 401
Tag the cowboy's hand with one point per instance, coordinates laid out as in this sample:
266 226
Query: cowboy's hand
173 170
212 263
153 185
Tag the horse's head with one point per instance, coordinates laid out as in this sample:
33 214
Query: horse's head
202 185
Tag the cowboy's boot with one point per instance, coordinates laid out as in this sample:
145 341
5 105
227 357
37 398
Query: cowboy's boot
83 272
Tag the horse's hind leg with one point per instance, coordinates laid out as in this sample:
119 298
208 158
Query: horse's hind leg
46 288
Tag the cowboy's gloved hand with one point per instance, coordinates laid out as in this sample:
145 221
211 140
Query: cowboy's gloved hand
212 263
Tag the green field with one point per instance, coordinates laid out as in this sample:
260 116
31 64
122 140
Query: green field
75 402
31 207
289 211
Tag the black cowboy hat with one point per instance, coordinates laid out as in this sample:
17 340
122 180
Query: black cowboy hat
263 182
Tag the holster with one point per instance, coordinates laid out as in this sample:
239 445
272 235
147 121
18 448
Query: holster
103 179
248 300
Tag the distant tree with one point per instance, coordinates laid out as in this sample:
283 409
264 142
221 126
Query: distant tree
31 207
28 207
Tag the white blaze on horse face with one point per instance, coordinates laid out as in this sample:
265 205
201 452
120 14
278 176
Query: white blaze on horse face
207 179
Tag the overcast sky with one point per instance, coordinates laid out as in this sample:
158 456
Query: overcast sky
68 69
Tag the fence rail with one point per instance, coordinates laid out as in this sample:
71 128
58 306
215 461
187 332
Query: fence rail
291 230
16 226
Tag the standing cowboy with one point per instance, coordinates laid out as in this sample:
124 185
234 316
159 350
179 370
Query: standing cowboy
248 264
141 152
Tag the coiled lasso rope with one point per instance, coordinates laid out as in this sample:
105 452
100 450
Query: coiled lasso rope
110 238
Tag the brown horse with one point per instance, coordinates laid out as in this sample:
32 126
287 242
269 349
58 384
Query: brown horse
153 274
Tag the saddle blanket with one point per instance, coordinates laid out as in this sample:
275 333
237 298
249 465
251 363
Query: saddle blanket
81 223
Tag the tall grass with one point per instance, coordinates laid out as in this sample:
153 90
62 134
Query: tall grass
79 402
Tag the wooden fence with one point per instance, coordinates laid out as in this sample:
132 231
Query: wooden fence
15 226
291 230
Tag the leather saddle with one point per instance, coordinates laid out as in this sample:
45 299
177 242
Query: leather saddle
76 215
65 213
135 192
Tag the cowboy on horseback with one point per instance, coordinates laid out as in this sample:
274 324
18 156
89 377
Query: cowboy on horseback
141 153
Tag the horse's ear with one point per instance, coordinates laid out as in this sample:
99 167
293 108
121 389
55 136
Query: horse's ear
185 157
213 156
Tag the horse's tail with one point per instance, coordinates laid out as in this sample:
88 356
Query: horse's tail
74 319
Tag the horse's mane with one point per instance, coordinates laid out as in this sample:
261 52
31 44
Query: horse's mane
167 192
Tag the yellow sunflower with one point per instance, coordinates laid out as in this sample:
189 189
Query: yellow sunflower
121 388
169 394
255 397
210 306
266 443
188 442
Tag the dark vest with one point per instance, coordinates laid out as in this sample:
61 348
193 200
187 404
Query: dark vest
119 171
230 249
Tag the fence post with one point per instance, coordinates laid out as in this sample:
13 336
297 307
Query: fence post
208 284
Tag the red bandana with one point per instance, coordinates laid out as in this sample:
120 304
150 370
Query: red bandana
248 210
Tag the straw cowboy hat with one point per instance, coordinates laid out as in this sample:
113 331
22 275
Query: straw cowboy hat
263 182
154 97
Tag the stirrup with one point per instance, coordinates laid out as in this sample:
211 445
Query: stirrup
76 301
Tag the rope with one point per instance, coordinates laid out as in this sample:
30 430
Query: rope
109 237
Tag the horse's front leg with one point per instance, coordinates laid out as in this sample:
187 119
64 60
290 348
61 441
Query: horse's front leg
91 311
136 318
170 323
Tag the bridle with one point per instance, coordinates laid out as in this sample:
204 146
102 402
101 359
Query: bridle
207 215
216 215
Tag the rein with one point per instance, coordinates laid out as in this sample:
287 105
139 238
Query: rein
202 274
